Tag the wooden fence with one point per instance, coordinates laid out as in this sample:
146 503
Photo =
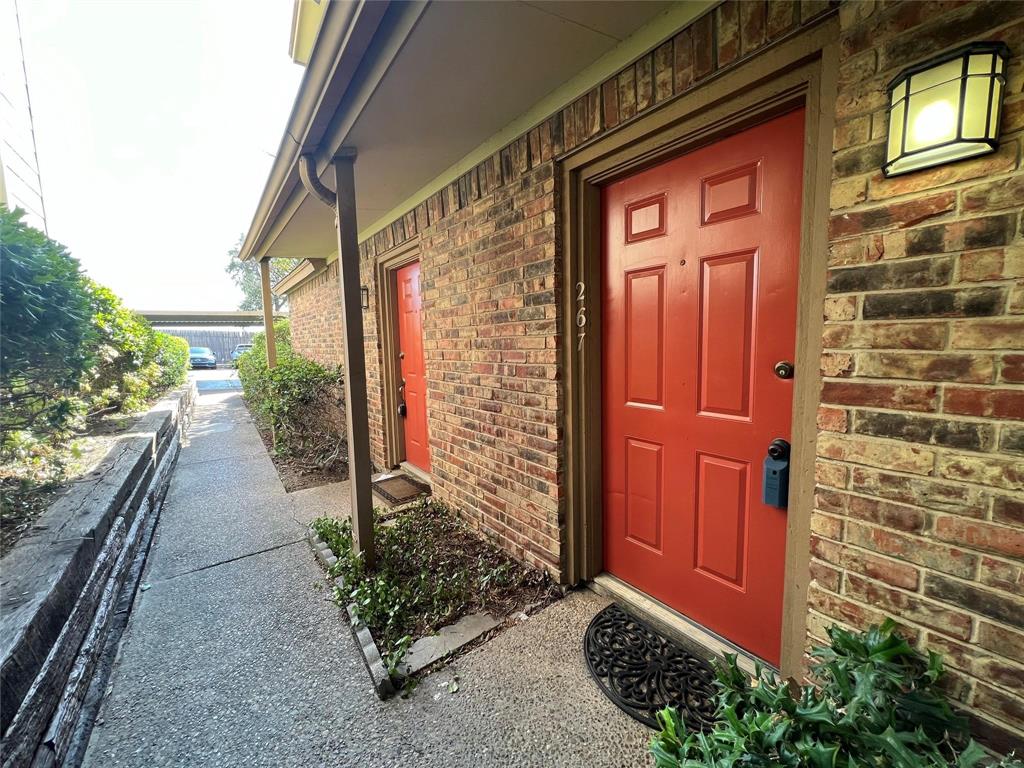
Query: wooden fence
220 340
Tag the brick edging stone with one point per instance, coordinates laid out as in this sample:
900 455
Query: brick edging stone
382 682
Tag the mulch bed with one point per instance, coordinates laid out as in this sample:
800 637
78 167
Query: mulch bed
438 570
294 474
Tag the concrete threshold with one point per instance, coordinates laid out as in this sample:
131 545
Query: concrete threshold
673 623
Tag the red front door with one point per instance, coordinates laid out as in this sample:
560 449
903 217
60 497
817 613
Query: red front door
699 293
413 386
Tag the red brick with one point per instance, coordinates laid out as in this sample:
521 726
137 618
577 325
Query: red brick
977 534
683 61
910 607
1007 474
911 397
829 473
903 214
925 181
1002 574
832 419
988 334
984 401
753 25
1008 510
1002 640
978 369
926 335
927 554
727 23
858 561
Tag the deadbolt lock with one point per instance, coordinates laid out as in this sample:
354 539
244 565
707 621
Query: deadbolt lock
784 369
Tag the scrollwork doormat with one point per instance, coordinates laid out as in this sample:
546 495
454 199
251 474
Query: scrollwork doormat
642 671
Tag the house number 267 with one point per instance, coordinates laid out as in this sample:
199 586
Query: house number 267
581 314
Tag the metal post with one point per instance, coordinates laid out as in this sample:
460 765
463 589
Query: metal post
356 419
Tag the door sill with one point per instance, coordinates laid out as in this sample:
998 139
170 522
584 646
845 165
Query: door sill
673 623
416 472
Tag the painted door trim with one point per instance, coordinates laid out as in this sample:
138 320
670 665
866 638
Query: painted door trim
801 71
387 300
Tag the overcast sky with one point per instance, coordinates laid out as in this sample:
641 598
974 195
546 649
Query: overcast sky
156 122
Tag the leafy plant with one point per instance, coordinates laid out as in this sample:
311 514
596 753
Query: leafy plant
298 400
68 349
431 570
877 706
132 360
246 275
47 337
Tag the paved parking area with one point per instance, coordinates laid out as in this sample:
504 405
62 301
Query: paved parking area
235 654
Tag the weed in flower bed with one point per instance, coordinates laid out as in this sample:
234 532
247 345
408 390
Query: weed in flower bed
431 571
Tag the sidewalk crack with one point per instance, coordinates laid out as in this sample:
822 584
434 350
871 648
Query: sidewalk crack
232 560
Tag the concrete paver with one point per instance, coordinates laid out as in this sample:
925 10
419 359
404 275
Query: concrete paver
235 654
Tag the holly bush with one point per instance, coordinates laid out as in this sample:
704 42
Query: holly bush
877 705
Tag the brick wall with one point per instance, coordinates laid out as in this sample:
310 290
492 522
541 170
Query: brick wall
491 346
920 512
314 309
315 312
489 270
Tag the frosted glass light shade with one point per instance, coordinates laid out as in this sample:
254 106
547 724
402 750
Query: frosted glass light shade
946 109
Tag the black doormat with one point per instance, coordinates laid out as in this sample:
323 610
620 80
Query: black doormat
401 489
643 672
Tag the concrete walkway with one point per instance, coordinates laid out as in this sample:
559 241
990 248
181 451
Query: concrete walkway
235 654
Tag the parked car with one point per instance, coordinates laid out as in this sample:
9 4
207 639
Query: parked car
238 351
202 357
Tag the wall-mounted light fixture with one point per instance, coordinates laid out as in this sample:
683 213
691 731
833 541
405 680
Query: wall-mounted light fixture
946 109
364 296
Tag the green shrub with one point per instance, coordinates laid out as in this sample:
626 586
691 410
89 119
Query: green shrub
878 705
430 570
298 400
170 353
69 346
47 337
133 361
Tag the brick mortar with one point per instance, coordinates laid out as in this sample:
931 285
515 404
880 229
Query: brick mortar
938 258
938 499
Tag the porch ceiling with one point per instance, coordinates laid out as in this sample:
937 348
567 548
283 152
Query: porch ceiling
453 77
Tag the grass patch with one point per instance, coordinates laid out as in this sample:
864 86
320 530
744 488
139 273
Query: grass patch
431 570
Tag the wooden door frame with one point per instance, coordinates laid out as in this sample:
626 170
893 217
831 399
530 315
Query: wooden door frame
387 299
801 71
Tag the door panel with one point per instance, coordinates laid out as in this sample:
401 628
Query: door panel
700 258
645 310
413 387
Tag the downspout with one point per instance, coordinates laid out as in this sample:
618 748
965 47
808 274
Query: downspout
312 183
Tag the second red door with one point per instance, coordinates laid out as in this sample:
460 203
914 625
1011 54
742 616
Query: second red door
699 300
413 386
